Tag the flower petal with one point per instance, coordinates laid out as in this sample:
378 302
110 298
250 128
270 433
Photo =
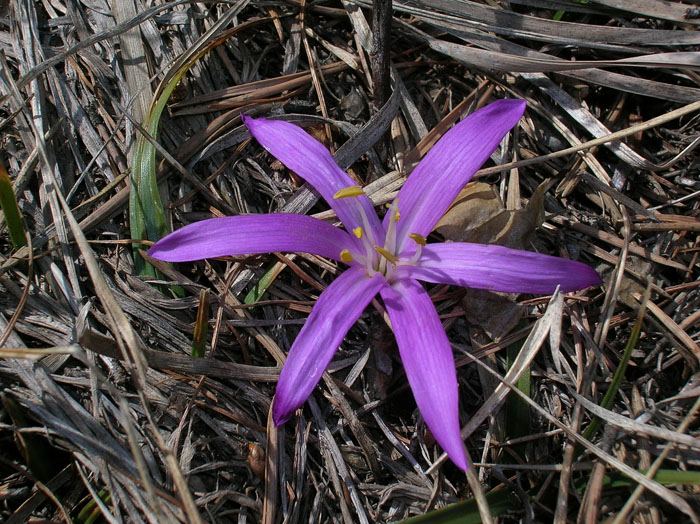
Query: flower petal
499 268
428 361
450 164
309 159
336 310
250 235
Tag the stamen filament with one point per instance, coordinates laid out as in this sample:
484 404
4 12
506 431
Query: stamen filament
366 263
368 240
390 240
420 242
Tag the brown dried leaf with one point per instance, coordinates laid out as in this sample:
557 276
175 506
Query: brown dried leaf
630 286
478 215
496 313
475 205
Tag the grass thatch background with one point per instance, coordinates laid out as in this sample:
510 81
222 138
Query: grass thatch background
117 423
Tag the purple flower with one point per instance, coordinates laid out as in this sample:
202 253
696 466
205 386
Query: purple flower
386 257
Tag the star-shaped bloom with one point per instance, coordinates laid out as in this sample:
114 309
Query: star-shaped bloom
386 256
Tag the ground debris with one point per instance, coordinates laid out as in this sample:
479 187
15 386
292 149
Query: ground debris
141 432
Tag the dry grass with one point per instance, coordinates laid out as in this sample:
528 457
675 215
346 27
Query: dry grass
106 416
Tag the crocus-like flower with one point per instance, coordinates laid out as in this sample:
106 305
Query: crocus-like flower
386 256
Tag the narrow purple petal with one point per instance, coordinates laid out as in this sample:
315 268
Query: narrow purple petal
309 159
450 164
500 268
336 310
428 361
250 235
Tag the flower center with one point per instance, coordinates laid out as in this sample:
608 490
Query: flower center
377 259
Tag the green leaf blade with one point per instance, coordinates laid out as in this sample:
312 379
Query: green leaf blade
10 209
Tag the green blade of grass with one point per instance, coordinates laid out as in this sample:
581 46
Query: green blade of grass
13 218
665 477
91 511
257 292
199 341
146 212
610 394
40 457
502 501
517 422
674 476
467 511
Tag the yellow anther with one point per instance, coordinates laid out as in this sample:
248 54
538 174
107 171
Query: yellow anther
358 232
394 210
418 239
352 191
386 254
345 256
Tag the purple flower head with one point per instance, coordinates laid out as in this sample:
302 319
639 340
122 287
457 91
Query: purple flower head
386 257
